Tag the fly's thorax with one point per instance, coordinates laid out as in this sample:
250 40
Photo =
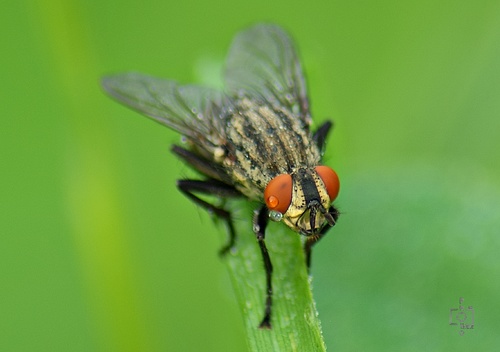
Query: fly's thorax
264 141
302 199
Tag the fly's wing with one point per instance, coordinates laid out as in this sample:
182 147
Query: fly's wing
194 111
263 62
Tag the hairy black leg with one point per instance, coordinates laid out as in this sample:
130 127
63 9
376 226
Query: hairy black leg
321 134
199 163
260 219
312 240
216 188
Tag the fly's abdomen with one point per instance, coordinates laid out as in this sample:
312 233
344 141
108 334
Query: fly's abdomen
264 141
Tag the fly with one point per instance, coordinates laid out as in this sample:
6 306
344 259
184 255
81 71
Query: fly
251 140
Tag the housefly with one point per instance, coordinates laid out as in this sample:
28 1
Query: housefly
251 140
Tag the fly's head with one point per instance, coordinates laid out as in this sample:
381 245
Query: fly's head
302 199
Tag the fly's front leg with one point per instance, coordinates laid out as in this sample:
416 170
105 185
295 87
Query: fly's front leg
321 134
312 240
216 188
260 220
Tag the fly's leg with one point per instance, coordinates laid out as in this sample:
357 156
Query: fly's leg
260 219
202 165
216 188
312 240
321 134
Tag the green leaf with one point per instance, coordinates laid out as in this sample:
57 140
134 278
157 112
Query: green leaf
295 322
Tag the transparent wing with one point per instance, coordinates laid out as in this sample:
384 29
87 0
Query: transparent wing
263 61
194 111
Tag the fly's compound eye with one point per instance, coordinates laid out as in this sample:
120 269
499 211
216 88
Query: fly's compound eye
330 179
278 193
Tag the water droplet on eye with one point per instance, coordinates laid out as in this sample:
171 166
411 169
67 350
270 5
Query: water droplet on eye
275 215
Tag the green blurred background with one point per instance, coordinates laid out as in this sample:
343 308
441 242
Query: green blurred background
100 252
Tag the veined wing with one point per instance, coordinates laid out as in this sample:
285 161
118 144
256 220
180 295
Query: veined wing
263 62
194 111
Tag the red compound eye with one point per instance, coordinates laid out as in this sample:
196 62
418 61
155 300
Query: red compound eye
278 193
330 179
